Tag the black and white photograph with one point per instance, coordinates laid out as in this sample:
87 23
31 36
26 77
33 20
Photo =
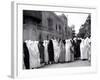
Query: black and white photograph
56 39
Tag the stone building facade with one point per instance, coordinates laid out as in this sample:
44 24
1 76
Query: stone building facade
44 25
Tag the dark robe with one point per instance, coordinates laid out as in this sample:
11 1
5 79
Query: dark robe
77 49
26 56
64 42
51 51
41 51
72 49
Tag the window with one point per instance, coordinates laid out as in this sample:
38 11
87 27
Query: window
47 37
50 23
59 28
56 26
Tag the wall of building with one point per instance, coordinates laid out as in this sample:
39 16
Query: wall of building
54 29
52 26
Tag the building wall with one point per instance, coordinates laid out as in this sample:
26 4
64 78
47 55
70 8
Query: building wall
51 27
56 29
65 27
53 16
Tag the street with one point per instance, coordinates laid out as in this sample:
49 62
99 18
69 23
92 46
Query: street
77 63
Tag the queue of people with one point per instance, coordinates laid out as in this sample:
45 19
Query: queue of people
40 53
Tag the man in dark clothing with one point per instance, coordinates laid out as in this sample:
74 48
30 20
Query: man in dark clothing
26 56
41 51
51 51
77 49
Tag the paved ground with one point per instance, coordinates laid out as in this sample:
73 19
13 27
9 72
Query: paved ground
70 64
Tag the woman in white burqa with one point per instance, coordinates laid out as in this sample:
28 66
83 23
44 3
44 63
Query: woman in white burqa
56 50
68 51
85 49
45 43
82 49
34 54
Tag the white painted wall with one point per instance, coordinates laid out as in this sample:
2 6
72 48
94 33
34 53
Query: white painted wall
5 39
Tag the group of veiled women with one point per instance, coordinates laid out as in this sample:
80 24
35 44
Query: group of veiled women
40 53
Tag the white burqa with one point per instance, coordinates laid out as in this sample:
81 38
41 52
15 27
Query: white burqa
68 52
82 50
45 43
56 50
85 49
34 54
